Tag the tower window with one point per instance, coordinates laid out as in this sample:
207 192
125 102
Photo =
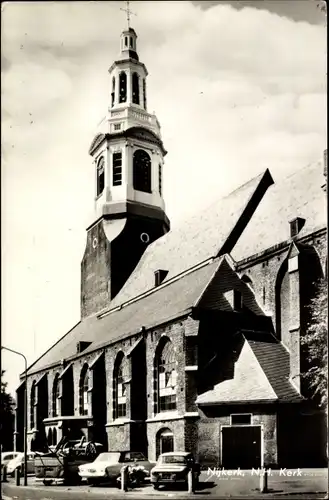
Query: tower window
100 176
126 41
131 42
142 171
135 88
117 169
144 92
113 91
123 87
160 179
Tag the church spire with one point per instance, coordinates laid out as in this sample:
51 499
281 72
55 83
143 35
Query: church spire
128 12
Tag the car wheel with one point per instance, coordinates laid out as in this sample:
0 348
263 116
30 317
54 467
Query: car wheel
156 486
47 482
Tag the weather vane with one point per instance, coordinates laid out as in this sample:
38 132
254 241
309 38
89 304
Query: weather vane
128 12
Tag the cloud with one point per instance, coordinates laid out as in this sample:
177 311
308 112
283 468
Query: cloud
235 91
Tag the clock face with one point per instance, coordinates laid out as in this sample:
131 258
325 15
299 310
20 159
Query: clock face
145 238
95 242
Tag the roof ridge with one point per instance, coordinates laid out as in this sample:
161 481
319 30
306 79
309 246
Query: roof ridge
148 292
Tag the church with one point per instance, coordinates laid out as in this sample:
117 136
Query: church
189 338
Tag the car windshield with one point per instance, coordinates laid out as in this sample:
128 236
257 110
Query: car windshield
19 456
112 457
173 459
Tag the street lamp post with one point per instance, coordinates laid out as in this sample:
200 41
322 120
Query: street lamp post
25 412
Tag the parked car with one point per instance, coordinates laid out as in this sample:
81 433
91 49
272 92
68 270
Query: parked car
107 466
6 456
18 463
173 468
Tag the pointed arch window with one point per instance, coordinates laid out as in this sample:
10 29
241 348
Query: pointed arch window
122 87
135 88
100 176
166 378
144 92
32 405
113 92
56 394
142 171
119 387
84 391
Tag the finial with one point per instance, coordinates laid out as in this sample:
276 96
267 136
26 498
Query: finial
128 11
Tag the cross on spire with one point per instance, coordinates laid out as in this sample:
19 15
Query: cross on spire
128 12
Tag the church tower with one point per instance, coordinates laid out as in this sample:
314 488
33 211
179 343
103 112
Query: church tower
128 157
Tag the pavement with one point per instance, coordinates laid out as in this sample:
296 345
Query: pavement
215 483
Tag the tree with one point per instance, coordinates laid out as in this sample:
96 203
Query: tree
7 417
315 343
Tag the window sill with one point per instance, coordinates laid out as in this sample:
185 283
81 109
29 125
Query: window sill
119 421
168 415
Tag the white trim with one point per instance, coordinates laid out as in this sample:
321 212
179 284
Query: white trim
191 368
165 416
191 414
65 370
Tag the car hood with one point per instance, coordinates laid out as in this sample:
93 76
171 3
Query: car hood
169 468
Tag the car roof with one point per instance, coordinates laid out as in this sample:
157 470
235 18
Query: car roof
175 453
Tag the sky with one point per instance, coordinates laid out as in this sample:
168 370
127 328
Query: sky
238 87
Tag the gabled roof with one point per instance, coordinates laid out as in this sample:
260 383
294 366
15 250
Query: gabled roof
298 195
209 233
164 303
261 375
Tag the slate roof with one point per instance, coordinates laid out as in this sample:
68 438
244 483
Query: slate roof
261 375
162 304
197 239
298 195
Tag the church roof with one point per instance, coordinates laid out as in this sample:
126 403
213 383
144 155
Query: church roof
298 195
164 303
209 233
261 375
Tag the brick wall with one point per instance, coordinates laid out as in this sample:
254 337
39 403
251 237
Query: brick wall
95 271
209 433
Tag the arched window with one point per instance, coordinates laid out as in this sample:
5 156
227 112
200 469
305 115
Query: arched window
84 391
119 387
166 378
164 442
160 179
131 42
144 92
123 87
100 176
32 405
55 436
56 395
142 171
135 88
113 91
126 41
